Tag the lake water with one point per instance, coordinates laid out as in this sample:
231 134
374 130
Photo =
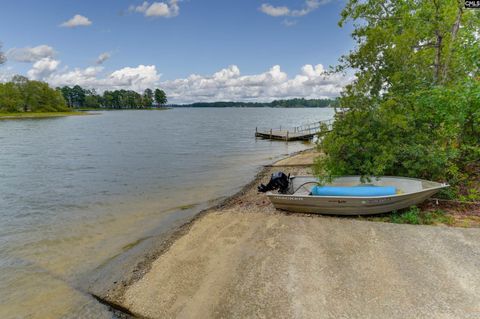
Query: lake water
76 191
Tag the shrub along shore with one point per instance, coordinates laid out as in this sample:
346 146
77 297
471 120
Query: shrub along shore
414 107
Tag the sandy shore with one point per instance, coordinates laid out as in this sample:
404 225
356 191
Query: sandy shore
244 259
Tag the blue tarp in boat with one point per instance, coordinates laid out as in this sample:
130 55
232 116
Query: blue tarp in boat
353 190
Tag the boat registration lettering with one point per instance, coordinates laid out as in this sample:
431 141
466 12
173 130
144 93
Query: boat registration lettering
289 198
378 201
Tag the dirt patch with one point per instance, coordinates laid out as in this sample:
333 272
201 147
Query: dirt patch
306 158
463 214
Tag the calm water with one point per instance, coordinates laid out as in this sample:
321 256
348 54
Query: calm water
76 191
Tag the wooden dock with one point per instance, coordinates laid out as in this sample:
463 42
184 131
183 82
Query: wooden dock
297 133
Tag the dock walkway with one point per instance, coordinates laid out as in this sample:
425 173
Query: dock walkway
297 133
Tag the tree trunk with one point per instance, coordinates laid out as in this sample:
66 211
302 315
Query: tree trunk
438 44
455 28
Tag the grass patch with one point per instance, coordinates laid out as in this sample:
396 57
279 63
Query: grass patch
415 216
35 115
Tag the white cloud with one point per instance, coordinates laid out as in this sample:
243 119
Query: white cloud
137 79
310 5
87 77
289 23
158 9
103 57
31 54
77 21
43 68
284 11
274 11
229 85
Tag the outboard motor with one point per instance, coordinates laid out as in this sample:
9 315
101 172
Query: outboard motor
278 181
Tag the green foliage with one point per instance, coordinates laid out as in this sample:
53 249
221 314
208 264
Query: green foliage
415 216
304 103
10 98
22 95
415 103
148 98
92 101
78 97
472 195
431 133
410 216
160 97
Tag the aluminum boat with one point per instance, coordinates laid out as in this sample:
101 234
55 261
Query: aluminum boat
298 198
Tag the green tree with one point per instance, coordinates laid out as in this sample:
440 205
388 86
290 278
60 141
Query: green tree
10 98
21 82
42 98
23 95
412 105
67 93
147 98
160 97
78 96
108 99
92 101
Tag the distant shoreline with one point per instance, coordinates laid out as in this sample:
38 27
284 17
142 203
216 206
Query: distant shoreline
39 115
291 103
78 112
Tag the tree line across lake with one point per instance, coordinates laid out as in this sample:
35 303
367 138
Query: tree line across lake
277 103
80 98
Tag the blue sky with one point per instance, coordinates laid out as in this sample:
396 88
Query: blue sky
264 44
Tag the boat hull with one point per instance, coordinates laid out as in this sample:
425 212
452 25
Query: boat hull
345 205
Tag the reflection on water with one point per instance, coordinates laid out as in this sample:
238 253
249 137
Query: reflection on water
77 191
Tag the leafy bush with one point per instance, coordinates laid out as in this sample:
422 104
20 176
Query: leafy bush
432 134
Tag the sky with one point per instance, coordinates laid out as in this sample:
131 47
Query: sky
196 50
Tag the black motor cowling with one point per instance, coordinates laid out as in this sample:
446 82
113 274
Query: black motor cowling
278 181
